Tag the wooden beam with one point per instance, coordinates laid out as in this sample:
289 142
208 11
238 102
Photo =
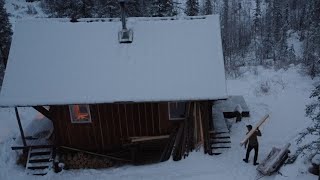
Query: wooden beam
148 138
43 111
20 127
95 154
254 129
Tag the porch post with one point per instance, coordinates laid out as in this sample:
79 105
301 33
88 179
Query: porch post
20 127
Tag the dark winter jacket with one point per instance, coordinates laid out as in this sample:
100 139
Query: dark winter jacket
253 140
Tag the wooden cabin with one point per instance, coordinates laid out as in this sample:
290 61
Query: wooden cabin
104 95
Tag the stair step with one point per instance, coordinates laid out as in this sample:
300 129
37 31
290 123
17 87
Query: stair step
221 145
39 160
39 153
39 165
220 140
218 151
40 172
221 135
35 150
219 131
41 157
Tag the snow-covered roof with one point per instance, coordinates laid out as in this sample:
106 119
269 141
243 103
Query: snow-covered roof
58 62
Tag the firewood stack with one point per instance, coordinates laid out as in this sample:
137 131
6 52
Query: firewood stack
82 160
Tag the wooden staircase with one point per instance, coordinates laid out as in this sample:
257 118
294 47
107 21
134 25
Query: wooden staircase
220 142
40 161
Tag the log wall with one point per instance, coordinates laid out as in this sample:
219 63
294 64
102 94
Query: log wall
111 125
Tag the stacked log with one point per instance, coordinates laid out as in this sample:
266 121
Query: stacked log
184 142
81 160
193 131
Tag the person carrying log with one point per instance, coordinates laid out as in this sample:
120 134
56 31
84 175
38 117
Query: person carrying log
252 143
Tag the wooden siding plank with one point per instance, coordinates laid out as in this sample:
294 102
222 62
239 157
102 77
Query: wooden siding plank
94 128
155 117
129 116
118 119
97 107
159 116
144 120
148 116
113 127
66 121
152 119
123 120
140 118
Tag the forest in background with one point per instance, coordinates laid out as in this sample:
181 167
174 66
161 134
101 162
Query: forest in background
254 32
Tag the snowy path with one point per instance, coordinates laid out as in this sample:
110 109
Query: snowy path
285 102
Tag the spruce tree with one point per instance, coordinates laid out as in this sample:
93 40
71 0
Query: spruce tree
134 8
313 111
86 8
277 20
192 8
162 8
208 8
257 18
257 31
5 33
311 45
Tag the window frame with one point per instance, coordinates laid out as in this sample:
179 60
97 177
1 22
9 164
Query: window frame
169 111
79 122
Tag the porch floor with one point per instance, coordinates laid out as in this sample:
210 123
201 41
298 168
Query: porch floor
222 109
37 134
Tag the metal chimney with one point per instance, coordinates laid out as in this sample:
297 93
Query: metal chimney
123 14
125 35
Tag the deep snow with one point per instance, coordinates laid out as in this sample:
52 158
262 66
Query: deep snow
285 102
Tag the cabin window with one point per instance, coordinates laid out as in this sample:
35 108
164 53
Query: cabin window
80 113
177 110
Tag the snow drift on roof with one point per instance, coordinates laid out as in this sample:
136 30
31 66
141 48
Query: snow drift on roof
58 62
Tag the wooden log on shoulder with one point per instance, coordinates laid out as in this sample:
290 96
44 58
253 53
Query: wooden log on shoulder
254 129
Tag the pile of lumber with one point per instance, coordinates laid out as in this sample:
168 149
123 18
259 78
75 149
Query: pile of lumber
81 160
193 131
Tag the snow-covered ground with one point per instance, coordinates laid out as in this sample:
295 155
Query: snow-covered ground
284 96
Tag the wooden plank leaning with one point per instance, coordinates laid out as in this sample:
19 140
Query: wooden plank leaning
254 129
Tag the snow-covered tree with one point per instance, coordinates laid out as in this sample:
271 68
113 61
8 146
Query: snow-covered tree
313 111
277 20
192 8
257 18
135 8
257 30
162 8
311 45
5 34
208 8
